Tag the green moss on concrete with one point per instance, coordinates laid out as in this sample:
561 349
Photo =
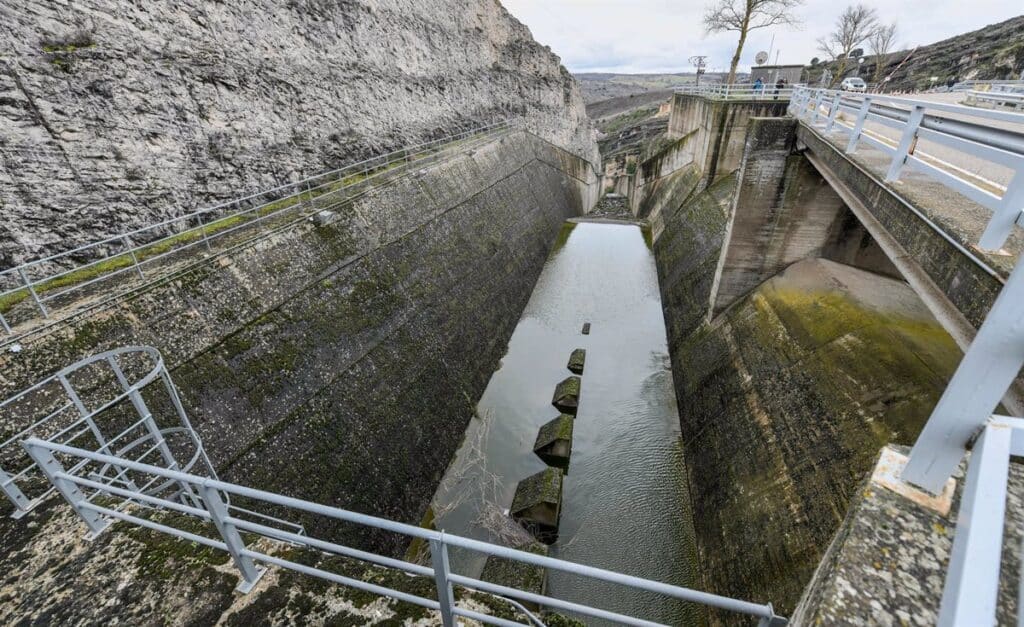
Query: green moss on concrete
558 429
543 487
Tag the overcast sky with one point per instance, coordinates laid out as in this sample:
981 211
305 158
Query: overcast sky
661 35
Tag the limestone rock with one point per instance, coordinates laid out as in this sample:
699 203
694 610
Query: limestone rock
576 361
567 395
554 441
117 116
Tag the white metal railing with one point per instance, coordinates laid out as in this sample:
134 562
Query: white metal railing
966 130
744 91
63 466
135 253
1007 85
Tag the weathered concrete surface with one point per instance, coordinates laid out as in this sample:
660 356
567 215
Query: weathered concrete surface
117 115
706 136
784 401
784 212
970 285
340 364
887 563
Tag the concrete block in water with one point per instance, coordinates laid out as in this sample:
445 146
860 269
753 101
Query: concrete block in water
537 505
554 441
576 360
514 574
567 395
586 328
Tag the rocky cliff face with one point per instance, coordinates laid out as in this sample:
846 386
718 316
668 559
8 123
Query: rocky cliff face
117 114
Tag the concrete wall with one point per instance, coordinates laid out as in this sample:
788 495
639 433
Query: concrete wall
705 135
786 396
784 212
341 363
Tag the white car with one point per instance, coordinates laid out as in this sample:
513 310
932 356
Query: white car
854 83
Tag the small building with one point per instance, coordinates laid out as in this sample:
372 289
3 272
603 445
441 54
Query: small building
770 74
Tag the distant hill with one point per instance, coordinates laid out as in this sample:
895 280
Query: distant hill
995 52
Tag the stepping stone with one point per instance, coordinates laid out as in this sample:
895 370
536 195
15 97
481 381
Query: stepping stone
537 505
586 328
567 396
576 360
554 442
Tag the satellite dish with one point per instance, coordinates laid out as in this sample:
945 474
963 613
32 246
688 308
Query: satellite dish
761 57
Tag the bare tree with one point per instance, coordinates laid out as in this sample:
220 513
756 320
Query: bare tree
853 27
881 44
744 16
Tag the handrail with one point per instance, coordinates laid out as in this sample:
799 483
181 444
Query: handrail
738 92
202 227
75 488
966 131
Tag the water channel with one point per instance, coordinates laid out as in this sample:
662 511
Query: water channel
625 504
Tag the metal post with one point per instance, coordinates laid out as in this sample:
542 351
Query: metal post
972 580
1003 219
219 514
817 107
834 112
14 494
984 375
906 145
858 127
131 251
206 237
445 596
3 323
31 290
50 467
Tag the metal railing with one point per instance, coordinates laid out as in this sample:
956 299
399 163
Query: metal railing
964 130
136 253
121 402
63 466
737 92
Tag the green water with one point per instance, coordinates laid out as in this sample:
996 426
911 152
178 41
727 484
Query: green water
625 503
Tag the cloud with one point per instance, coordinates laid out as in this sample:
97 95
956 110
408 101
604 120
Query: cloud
661 35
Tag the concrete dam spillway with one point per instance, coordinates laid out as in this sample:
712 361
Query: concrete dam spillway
694 385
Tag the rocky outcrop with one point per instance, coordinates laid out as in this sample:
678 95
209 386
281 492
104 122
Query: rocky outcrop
117 115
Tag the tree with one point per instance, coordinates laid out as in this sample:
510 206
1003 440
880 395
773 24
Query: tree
881 44
743 16
853 27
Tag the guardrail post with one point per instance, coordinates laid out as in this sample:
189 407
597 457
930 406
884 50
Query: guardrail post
50 467
972 579
445 596
14 494
985 373
834 112
3 323
858 126
817 107
219 514
131 251
906 145
1010 207
206 237
32 291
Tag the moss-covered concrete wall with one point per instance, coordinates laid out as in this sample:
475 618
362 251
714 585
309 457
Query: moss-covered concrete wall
787 395
340 363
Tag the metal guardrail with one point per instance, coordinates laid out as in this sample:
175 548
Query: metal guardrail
135 252
982 85
1013 100
737 92
962 129
65 466
113 392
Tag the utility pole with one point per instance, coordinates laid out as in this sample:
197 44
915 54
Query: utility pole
700 62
